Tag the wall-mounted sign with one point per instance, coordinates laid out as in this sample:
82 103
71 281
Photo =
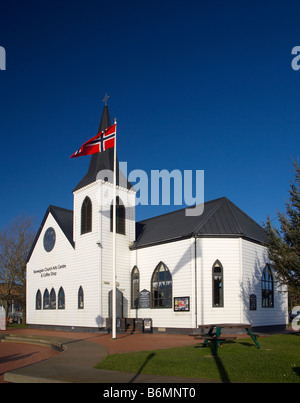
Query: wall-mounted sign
252 302
50 271
181 304
144 299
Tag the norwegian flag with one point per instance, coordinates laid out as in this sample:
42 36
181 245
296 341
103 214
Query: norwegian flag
99 143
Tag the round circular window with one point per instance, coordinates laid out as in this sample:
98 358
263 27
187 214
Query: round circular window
49 239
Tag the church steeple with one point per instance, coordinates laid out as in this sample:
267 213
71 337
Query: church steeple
103 160
105 120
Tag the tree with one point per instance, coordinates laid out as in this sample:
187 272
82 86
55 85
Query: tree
284 242
15 242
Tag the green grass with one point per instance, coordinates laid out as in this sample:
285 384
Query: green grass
16 326
239 361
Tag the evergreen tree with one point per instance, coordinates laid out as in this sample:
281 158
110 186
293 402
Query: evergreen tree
284 242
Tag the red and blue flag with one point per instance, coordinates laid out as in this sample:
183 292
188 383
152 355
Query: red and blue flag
99 143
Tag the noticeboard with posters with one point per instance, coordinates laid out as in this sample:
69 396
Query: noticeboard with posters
181 304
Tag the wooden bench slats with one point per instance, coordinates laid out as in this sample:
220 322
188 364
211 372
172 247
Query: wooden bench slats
224 338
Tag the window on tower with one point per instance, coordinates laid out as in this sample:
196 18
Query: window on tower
120 224
86 216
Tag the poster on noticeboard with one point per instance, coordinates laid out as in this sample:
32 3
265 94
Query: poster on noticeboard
181 304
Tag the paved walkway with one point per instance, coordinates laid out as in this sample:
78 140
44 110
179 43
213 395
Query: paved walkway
14 356
82 351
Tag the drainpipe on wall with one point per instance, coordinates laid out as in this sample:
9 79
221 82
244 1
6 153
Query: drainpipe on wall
196 297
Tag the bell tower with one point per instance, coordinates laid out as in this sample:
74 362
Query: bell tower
93 237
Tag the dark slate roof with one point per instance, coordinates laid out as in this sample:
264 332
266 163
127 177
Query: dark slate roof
102 161
64 219
220 218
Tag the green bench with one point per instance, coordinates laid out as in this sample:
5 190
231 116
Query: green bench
216 341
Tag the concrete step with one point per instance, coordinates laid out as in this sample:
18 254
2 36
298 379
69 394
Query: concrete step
130 330
54 344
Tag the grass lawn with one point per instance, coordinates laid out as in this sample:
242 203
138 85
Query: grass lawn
17 326
238 361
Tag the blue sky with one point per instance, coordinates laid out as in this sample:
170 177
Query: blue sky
198 85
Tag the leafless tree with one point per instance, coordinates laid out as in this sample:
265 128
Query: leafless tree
15 242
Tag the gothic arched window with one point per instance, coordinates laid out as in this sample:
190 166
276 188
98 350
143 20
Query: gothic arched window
120 224
61 298
80 298
161 287
217 284
267 288
86 216
46 299
52 299
38 300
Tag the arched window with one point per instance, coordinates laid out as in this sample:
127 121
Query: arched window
80 298
46 299
52 299
120 224
135 287
61 298
161 287
86 216
217 284
38 300
267 288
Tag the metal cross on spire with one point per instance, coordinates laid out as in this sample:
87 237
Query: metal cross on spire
105 99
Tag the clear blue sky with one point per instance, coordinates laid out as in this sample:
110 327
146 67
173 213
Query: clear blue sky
194 85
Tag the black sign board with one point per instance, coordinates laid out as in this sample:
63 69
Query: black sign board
252 300
144 298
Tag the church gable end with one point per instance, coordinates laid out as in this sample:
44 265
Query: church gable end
63 218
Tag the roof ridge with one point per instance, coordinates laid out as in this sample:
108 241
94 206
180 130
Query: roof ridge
57 207
220 202
246 215
230 204
176 211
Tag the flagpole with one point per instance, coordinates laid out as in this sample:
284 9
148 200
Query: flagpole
114 299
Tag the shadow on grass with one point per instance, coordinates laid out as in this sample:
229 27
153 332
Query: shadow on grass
296 371
245 343
142 367
222 370
220 366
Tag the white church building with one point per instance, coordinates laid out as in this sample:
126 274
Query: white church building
178 271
